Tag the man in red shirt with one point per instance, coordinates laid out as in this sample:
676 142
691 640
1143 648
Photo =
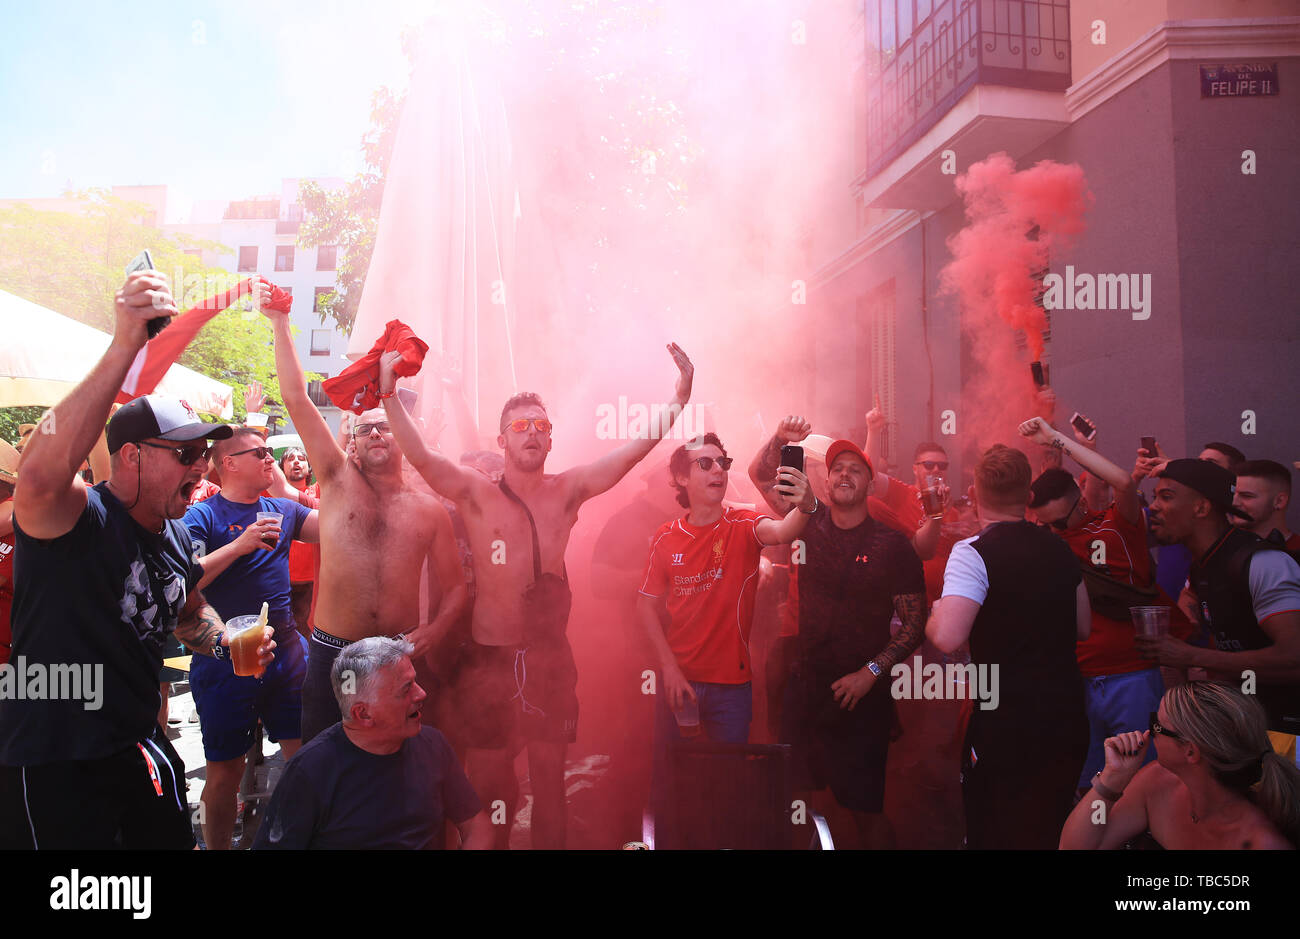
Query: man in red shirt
1121 689
1263 493
932 536
704 567
304 558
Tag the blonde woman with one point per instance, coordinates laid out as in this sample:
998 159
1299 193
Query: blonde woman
1216 783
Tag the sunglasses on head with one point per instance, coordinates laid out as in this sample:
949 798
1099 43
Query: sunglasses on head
706 462
261 452
933 465
186 455
1157 728
521 425
363 430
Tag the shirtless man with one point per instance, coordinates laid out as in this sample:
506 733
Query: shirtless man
518 685
375 537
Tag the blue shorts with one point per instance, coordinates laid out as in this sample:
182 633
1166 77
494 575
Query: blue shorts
1117 704
229 706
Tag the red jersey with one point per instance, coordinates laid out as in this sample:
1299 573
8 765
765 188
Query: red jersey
303 557
904 502
1121 547
709 575
206 489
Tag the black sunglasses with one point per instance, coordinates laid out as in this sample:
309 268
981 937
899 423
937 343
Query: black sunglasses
1063 523
933 465
261 452
1157 728
706 462
186 456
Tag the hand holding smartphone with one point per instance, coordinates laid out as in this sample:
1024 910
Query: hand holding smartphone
144 262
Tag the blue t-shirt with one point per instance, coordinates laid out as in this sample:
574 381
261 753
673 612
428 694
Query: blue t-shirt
254 579
93 609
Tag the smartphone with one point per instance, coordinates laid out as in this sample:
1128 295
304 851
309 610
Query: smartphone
144 262
1036 369
1083 426
792 456
1149 445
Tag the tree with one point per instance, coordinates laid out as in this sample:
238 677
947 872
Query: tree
73 263
349 217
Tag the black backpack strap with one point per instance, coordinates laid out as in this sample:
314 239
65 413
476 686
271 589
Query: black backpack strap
537 546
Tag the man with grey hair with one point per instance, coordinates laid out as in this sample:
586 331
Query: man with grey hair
379 778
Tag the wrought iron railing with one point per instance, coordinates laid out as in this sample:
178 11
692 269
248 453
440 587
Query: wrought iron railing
962 43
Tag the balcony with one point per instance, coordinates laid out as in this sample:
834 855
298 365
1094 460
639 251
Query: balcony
1002 65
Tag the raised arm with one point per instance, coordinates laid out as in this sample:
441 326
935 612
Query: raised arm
50 496
600 475
1120 481
762 471
444 561
793 486
449 479
326 457
876 425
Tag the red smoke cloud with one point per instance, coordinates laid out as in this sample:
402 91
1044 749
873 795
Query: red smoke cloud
993 262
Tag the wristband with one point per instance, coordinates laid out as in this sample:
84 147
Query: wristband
219 652
386 394
1110 795
814 508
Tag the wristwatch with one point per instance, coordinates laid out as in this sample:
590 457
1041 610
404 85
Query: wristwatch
816 504
220 652
873 668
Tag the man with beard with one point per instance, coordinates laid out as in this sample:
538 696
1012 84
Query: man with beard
856 573
1263 494
1247 591
303 556
104 574
376 535
518 684
245 564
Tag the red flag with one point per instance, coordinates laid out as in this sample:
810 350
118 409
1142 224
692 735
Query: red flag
160 353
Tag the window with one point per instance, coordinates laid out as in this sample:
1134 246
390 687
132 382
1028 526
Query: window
320 292
877 310
320 341
248 258
318 397
327 257
284 257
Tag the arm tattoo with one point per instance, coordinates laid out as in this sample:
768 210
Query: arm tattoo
201 630
771 460
911 610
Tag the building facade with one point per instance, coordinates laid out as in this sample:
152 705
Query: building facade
1177 111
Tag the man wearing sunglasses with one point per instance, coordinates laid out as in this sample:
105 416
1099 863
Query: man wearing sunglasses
377 537
104 574
932 536
1120 686
245 564
519 684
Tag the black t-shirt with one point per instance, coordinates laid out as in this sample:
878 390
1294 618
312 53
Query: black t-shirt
334 795
847 585
92 611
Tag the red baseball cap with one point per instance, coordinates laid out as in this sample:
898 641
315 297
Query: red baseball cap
847 446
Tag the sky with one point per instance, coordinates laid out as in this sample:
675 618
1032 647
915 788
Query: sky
215 100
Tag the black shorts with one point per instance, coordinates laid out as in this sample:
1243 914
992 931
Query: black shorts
134 799
507 693
832 746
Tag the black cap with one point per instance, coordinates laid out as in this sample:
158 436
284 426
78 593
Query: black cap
1209 479
155 416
